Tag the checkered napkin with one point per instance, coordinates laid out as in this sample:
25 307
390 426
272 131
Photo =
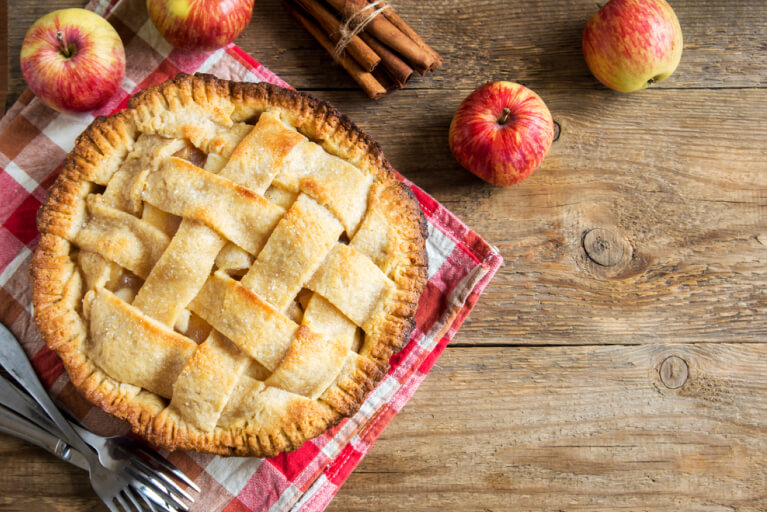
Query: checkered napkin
33 143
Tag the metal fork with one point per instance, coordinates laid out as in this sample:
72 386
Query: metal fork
122 484
113 451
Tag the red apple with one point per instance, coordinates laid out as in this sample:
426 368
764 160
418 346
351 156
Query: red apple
632 44
73 60
200 24
501 132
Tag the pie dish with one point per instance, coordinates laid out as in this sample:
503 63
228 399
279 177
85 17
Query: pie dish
227 266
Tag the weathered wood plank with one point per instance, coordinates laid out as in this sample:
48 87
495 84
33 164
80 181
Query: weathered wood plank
3 54
554 428
536 42
576 429
32 479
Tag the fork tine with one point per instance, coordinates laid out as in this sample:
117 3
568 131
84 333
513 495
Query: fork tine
128 491
119 499
152 483
146 500
110 505
150 471
149 495
167 466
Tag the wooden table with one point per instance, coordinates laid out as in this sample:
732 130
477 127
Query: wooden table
584 382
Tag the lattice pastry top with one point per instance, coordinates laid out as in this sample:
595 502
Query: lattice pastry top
227 266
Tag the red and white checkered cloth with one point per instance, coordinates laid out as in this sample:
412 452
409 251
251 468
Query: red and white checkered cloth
33 143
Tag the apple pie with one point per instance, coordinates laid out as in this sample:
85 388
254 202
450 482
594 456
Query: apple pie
227 266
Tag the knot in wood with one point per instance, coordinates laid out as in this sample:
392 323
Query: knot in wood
603 247
673 372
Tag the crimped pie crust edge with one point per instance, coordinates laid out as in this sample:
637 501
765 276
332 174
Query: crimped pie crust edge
58 287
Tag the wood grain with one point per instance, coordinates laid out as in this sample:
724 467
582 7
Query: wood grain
32 479
575 429
4 90
622 370
537 42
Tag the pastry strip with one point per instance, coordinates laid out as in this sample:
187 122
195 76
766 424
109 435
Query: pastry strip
206 382
253 325
332 182
235 212
351 282
120 237
318 352
134 348
293 253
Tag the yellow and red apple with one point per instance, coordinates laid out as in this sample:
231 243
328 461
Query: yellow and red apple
73 60
631 44
200 24
501 132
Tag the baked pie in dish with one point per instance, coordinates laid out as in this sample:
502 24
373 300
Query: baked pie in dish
227 266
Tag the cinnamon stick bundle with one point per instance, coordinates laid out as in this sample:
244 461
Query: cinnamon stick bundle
364 79
382 57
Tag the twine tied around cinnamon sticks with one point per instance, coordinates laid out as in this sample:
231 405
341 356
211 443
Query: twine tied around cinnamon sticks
356 23
369 39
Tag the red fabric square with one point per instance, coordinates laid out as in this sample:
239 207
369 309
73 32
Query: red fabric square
237 506
39 156
343 464
430 307
187 61
264 488
48 366
396 360
10 246
21 223
13 195
165 71
427 363
293 463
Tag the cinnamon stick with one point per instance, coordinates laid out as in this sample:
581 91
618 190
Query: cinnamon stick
386 32
385 80
401 24
365 79
361 52
395 67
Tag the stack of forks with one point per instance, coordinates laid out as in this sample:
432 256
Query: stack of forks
124 473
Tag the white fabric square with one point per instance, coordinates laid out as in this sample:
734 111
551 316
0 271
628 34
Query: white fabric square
65 128
21 177
148 32
438 247
233 472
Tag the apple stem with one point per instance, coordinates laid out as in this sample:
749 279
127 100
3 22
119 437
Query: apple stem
63 45
504 116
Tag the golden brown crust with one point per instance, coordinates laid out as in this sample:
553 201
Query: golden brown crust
58 286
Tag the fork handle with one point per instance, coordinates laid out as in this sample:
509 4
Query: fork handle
16 363
22 404
13 424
